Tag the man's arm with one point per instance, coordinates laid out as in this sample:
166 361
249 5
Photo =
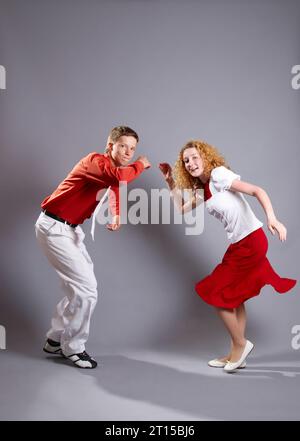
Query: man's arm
114 207
114 193
127 174
99 169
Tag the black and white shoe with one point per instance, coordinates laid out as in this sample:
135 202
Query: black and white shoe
52 347
83 360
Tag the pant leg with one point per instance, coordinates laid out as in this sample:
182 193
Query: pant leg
59 321
65 250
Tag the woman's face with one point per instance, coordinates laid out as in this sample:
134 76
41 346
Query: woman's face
193 162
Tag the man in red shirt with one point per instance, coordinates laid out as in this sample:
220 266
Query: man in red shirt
61 238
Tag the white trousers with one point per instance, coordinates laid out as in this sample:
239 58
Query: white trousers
65 250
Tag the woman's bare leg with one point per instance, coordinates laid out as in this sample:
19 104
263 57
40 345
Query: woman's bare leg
242 317
236 329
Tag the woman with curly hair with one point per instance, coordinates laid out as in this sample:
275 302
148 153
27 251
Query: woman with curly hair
244 269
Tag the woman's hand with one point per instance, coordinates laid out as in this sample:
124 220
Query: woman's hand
115 225
275 226
166 170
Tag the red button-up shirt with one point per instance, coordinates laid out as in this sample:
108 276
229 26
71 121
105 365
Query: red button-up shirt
74 200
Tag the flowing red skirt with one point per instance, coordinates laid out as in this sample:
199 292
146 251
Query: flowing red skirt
244 270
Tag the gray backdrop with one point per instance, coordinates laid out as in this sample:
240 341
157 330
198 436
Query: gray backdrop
173 70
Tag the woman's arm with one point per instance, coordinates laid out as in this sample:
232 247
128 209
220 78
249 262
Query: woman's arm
264 200
182 206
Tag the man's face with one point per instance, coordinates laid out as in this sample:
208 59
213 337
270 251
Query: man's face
123 149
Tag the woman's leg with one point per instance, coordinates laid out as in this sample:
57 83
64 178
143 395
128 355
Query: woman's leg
242 317
228 356
236 329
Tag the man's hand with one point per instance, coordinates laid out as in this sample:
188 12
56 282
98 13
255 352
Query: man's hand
145 161
115 225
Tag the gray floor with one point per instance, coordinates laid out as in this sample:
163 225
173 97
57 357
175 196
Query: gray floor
147 385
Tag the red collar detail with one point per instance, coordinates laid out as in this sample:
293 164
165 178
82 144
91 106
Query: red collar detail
207 193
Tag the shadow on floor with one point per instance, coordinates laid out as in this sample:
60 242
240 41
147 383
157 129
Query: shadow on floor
258 392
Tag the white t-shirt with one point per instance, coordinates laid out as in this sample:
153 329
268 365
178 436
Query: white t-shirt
230 207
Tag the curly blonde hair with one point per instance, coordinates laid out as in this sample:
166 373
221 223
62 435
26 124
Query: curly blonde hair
210 156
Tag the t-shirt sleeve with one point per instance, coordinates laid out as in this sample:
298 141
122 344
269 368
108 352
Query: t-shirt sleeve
222 178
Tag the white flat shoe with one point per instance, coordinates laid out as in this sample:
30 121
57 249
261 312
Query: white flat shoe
220 364
230 367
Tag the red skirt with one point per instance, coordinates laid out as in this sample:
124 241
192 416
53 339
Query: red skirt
244 270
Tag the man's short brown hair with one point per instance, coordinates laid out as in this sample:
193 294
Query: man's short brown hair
119 131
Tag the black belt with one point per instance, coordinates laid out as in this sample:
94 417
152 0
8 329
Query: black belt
59 218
